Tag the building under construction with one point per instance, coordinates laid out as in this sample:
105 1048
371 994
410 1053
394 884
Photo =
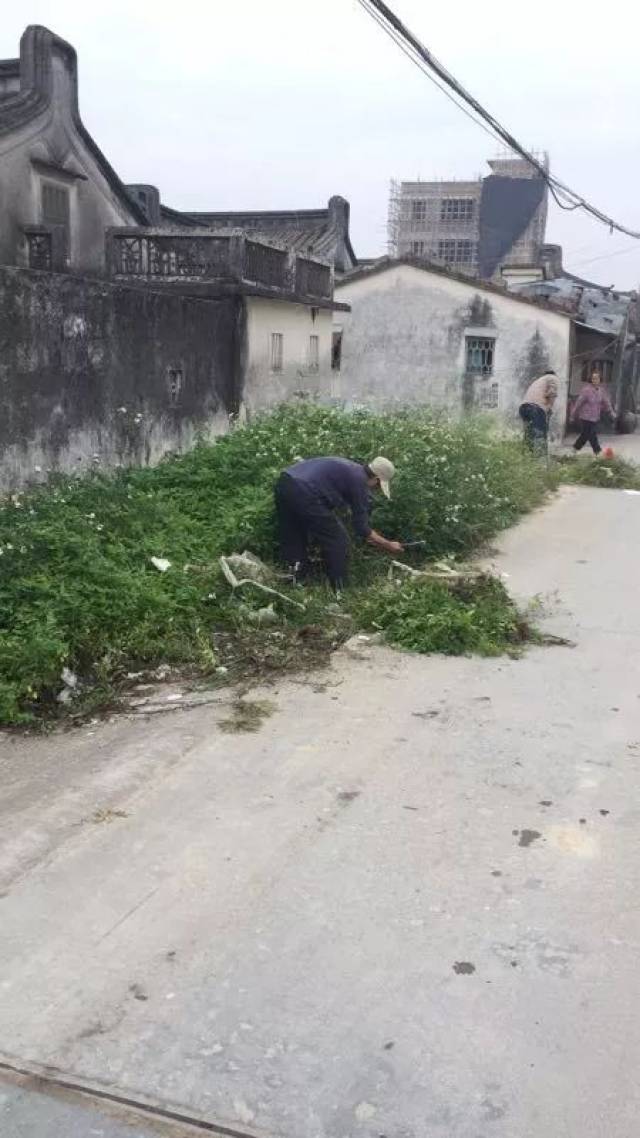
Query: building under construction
481 227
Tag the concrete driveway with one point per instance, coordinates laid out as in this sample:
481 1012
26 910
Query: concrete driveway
406 907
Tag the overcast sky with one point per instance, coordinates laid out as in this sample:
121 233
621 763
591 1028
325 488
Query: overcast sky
268 104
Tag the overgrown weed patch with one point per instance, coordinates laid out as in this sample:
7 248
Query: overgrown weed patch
78 588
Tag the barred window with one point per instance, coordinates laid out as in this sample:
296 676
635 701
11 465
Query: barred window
480 353
489 397
417 248
419 210
277 351
456 209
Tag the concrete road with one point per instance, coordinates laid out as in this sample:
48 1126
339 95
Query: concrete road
407 906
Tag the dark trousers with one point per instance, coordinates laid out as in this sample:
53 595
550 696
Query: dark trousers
588 434
302 518
536 425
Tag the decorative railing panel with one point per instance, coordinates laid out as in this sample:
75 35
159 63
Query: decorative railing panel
188 256
39 250
177 258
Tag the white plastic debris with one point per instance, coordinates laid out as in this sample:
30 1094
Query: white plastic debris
251 565
69 678
160 563
221 670
65 695
266 615
247 566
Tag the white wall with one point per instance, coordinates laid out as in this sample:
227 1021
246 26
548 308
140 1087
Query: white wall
404 342
265 387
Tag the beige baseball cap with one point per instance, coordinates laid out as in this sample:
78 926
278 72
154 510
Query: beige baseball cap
384 472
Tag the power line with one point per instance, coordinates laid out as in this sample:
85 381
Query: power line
415 58
606 256
423 58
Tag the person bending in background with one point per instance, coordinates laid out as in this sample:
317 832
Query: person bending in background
307 494
536 407
588 408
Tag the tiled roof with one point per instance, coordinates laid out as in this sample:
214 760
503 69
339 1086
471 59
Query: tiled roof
315 232
602 309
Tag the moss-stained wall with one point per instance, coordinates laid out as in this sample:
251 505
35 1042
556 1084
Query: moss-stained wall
98 374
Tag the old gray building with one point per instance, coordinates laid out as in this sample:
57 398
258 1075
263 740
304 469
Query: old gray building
128 328
477 227
58 192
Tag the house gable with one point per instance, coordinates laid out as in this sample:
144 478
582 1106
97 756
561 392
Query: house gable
46 153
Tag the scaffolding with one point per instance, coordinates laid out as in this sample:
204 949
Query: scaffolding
393 218
440 220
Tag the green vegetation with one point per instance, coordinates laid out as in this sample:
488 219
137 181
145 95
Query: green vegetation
610 473
78 588
425 616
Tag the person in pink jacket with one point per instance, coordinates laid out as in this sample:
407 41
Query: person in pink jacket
588 408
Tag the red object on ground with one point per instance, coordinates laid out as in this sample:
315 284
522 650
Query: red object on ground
607 452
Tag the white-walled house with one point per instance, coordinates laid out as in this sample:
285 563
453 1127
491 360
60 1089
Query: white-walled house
288 351
418 333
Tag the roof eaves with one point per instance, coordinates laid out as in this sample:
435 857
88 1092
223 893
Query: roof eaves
288 215
386 263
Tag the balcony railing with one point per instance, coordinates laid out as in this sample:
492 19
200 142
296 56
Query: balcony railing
163 256
170 258
313 278
265 265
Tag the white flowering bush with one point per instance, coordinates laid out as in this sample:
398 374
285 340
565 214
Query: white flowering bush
79 587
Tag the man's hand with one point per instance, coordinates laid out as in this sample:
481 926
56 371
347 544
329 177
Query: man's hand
380 542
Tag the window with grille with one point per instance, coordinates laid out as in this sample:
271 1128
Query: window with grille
480 353
456 209
55 216
456 252
489 396
417 248
277 351
419 210
314 353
